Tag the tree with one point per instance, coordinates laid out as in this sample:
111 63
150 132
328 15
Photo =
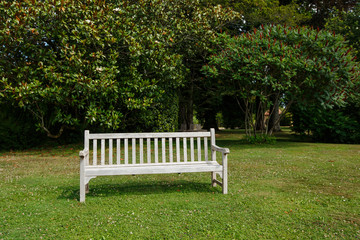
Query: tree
194 27
340 124
321 10
283 64
257 12
347 24
70 63
252 14
113 65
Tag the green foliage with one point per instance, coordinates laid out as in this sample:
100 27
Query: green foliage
257 12
265 12
339 125
347 24
321 10
279 62
73 64
111 65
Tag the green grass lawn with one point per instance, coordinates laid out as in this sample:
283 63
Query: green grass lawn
289 190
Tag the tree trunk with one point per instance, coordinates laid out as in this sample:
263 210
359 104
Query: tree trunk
274 122
186 108
260 117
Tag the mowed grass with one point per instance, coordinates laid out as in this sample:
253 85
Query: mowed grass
289 190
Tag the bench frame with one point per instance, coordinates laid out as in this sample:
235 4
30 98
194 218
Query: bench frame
88 171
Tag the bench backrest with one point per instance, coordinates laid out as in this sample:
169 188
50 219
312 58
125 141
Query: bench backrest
148 148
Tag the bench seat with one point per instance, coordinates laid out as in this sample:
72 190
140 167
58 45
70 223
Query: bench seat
159 168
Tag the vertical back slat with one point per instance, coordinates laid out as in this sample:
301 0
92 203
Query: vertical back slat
163 149
192 149
185 149
118 151
199 148
102 151
141 150
156 150
133 146
178 149
87 145
110 151
213 153
206 149
126 150
148 150
171 149
94 152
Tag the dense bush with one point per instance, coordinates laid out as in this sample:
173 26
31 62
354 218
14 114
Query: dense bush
339 125
108 65
104 65
17 129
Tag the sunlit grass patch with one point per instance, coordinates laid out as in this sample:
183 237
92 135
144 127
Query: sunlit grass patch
285 190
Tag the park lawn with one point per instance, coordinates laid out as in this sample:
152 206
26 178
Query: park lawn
288 190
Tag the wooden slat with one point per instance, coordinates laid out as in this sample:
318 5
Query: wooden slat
126 150
87 146
178 149
156 150
162 164
110 151
217 182
185 149
212 141
133 146
94 152
153 169
102 151
147 135
118 156
141 151
163 149
148 150
171 149
192 149
199 148
206 149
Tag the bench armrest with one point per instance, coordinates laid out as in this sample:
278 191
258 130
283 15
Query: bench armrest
220 149
84 153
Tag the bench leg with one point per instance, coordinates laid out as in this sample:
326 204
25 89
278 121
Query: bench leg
225 174
225 184
82 192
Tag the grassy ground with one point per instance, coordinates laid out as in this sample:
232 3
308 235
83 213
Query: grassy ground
289 190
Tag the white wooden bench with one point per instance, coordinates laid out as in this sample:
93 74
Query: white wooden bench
145 156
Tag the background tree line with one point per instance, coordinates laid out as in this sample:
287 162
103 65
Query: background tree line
138 65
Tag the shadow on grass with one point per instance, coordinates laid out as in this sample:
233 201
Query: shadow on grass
286 135
139 188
